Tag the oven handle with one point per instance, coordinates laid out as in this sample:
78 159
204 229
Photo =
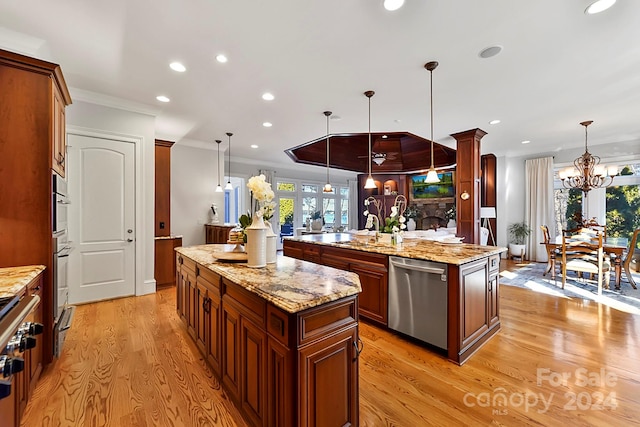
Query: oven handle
26 305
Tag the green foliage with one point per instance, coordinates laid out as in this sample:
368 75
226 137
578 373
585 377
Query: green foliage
518 232
288 218
411 212
316 215
623 210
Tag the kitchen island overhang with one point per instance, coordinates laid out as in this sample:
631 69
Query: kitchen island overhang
283 339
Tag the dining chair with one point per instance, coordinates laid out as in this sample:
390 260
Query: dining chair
628 257
552 254
584 253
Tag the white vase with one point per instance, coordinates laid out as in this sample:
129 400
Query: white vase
451 223
411 224
272 244
256 246
316 224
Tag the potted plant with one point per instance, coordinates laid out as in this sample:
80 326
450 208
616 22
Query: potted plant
450 216
518 232
317 221
411 213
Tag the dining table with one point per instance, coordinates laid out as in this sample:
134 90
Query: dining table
614 246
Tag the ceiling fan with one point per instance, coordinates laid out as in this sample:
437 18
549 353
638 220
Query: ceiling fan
378 157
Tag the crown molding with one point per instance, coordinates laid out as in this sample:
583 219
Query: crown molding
112 101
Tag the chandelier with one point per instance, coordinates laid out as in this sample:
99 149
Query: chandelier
587 172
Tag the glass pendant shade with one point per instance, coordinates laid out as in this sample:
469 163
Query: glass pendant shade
327 187
229 186
370 183
432 175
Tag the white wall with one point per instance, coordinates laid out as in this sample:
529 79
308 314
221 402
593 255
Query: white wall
193 183
101 119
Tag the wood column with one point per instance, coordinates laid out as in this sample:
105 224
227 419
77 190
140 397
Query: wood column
468 176
163 188
488 196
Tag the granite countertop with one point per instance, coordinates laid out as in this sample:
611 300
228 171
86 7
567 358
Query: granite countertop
173 236
13 280
456 254
290 284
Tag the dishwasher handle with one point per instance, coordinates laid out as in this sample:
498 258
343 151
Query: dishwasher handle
424 269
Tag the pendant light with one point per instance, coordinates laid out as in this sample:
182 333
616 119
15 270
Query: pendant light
432 175
229 186
370 183
219 187
327 187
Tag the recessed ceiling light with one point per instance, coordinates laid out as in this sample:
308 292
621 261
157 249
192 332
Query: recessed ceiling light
393 4
254 146
599 6
526 141
267 124
384 137
176 66
221 58
268 96
490 51
494 122
162 98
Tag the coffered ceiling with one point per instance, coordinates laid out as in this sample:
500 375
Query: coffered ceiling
557 67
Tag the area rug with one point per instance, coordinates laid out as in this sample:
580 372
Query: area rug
529 276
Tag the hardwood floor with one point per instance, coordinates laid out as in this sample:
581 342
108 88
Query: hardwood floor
130 362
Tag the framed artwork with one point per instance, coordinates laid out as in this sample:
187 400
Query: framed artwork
442 191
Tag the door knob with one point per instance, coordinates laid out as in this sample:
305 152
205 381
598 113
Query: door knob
129 240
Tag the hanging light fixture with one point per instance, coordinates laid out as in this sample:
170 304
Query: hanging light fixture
432 175
229 186
586 173
370 183
327 187
219 187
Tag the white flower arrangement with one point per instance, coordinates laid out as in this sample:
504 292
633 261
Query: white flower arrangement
394 222
263 193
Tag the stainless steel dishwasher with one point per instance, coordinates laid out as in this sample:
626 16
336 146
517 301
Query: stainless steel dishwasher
418 299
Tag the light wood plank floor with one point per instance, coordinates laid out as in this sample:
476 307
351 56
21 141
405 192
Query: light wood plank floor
129 362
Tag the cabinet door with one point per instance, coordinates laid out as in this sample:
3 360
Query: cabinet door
474 320
292 249
231 355
328 375
252 371
493 299
8 409
202 318
213 339
373 300
59 143
35 366
280 385
192 308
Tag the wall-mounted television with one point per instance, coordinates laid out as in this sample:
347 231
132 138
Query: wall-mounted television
422 191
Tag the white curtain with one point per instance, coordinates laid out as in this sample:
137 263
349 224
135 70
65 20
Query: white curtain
539 205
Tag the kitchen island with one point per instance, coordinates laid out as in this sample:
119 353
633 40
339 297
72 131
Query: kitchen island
472 288
282 339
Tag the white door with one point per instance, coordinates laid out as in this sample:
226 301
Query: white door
101 174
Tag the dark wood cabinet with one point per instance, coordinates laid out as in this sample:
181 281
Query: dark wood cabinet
279 368
322 367
35 354
164 260
372 270
217 233
33 96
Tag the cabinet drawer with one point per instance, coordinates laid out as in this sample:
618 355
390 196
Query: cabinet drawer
250 305
189 264
318 322
278 324
494 262
212 280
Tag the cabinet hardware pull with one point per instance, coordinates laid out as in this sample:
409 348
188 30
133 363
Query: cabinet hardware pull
359 346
